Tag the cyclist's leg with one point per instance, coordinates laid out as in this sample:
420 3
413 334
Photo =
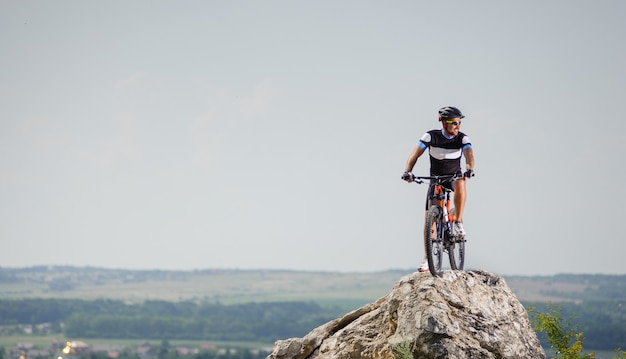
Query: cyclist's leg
459 199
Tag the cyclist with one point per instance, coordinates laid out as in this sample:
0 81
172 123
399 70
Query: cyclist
446 146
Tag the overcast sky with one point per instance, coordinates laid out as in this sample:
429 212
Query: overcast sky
273 134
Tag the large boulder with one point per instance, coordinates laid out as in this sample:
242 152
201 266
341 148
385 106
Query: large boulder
459 315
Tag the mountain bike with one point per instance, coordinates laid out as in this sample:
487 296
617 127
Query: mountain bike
439 237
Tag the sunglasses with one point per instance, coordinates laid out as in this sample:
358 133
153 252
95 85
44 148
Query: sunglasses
453 122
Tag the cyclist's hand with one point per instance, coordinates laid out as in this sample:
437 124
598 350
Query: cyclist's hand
468 173
408 176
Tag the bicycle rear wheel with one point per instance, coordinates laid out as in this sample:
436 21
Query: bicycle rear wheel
456 252
433 240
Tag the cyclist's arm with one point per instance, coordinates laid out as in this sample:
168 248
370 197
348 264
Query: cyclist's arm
417 152
468 153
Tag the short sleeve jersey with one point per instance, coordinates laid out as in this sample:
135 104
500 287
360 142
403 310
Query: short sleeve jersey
445 152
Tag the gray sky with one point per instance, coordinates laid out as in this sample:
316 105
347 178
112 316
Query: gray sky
273 134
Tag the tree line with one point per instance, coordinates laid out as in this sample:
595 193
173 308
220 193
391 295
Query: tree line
104 318
601 321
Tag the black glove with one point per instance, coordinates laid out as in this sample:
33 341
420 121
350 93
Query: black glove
468 173
408 176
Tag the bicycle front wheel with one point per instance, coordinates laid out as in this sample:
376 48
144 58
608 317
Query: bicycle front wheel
433 240
456 252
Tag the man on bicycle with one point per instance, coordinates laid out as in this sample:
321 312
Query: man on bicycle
446 145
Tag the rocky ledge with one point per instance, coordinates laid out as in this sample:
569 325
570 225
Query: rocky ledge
459 315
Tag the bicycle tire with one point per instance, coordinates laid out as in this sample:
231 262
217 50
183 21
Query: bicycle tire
433 240
456 254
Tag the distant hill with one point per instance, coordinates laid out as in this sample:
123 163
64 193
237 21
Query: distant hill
230 286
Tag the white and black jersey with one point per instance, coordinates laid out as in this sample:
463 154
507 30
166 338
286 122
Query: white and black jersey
445 152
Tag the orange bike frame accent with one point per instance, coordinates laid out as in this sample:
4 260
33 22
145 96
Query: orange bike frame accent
439 190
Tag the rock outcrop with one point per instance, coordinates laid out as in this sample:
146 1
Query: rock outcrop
460 315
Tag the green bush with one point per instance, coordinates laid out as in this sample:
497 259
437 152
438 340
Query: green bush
563 335
403 350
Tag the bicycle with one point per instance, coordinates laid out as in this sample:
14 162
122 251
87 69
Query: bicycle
439 237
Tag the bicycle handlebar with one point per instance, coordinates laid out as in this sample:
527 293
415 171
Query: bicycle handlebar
440 178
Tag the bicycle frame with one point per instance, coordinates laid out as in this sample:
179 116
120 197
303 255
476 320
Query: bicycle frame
442 195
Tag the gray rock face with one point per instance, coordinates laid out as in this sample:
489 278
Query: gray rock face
460 315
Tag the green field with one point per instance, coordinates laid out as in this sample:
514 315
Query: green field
345 290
